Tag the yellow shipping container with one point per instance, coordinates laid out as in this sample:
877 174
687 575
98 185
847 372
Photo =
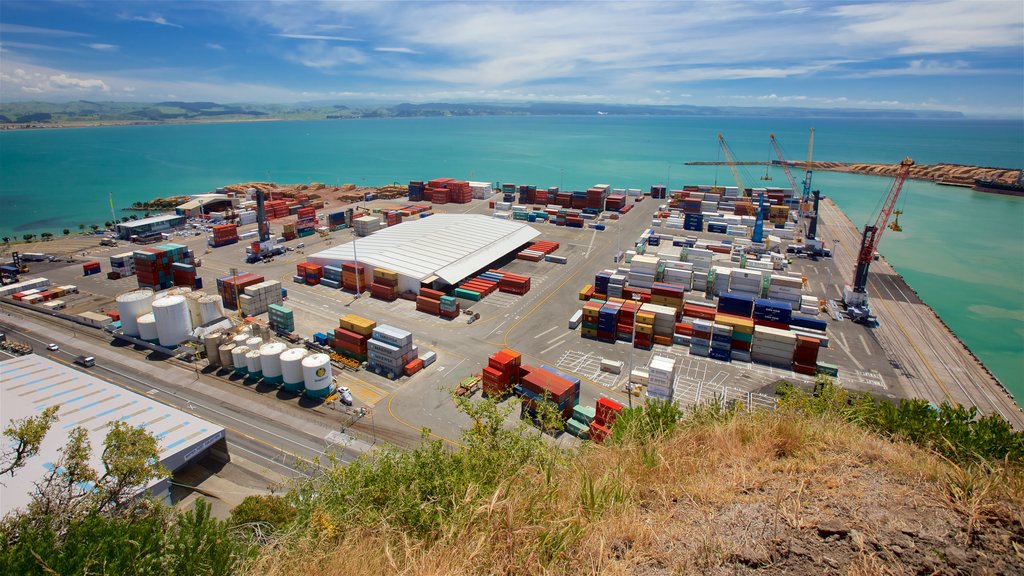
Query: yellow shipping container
743 325
385 274
583 292
358 324
643 329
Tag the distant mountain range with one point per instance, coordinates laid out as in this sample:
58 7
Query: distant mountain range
83 112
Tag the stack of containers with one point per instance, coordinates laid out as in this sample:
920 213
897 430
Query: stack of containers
416 189
223 234
773 346
605 414
477 288
90 268
678 273
275 209
153 265
809 305
736 304
354 278
429 301
258 297
123 264
601 281
389 350
183 274
231 287
591 317
805 355
627 319
772 313
385 284
701 260
352 336
616 284
331 277
480 190
742 334
664 322
786 289
700 340
501 372
281 319
587 292
547 384
607 322
643 271
366 225
644 329
661 378
536 251
311 273
668 295
745 282
339 219
721 342
511 283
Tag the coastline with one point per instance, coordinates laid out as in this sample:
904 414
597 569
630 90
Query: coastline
947 174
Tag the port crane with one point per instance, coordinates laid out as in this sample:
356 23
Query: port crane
855 296
806 195
782 160
758 234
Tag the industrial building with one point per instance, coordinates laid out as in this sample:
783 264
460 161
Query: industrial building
205 203
149 226
440 250
30 384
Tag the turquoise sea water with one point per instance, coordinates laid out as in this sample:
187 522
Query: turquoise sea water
962 251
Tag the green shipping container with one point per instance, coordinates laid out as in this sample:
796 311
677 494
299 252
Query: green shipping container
467 294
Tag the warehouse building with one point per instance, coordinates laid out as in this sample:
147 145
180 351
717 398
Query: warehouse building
205 203
30 384
149 226
441 250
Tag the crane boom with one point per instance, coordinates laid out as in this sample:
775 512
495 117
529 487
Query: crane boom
731 162
806 196
785 165
873 234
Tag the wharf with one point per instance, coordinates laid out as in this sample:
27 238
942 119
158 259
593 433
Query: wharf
929 360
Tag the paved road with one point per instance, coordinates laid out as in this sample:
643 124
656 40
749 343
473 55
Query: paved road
284 441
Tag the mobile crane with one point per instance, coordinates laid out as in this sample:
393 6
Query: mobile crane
855 296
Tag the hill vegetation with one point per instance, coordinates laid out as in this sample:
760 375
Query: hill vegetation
831 482
83 112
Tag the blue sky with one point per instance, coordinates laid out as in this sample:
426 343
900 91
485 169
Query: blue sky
960 55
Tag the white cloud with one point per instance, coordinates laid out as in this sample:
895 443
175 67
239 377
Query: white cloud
8 28
63 81
155 18
214 46
397 50
920 68
318 37
322 56
101 47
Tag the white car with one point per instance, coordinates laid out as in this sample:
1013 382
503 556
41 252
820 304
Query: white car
52 347
346 395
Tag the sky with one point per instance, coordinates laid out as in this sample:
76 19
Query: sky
959 55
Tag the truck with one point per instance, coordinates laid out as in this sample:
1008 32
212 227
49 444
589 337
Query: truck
85 361
108 242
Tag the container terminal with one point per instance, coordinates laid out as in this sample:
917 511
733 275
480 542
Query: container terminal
344 325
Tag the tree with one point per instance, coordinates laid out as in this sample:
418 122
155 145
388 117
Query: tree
262 515
81 226
28 237
94 227
67 231
23 438
46 235
7 240
108 224
124 218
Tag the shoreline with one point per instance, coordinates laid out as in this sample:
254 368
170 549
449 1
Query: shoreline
947 174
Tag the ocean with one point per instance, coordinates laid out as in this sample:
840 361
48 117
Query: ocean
962 251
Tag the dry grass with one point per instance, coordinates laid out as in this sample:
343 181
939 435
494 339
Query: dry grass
747 495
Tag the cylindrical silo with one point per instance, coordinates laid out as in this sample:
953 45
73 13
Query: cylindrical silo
265 332
238 359
173 324
192 299
130 306
316 375
210 308
226 357
147 328
240 338
252 364
177 291
270 362
291 369
254 342
211 341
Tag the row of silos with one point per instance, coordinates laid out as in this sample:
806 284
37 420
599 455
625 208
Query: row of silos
166 318
293 368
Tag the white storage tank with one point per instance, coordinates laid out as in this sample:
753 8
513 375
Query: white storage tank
240 338
210 308
211 341
173 324
291 369
254 342
130 306
192 299
238 359
177 291
265 332
147 328
270 362
226 358
252 364
316 375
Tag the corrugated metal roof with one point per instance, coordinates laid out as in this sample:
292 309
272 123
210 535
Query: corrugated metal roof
451 246
30 384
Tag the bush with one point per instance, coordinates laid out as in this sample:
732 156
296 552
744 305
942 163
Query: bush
270 513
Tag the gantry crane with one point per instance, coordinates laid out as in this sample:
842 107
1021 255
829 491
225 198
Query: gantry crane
806 196
856 296
782 160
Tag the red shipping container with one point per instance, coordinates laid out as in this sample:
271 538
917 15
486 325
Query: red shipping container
607 411
598 433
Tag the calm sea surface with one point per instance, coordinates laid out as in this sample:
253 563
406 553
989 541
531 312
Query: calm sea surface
962 251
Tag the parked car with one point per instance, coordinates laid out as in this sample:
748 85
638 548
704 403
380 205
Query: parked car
52 347
346 395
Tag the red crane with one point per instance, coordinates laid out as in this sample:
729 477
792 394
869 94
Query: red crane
857 295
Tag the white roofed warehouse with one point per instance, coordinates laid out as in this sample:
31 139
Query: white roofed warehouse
444 248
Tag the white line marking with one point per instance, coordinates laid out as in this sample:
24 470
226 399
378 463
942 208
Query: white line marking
495 328
555 338
555 345
545 332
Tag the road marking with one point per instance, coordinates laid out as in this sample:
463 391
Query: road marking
495 328
555 345
555 338
864 343
545 332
